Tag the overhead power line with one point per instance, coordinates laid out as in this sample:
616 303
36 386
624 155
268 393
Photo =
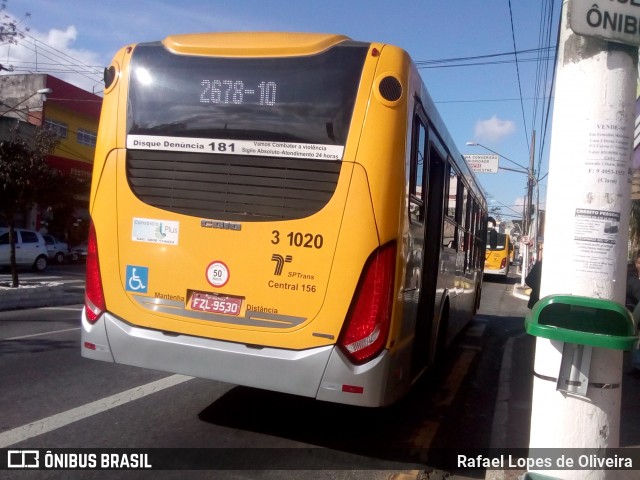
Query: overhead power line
549 72
48 59
513 37
472 61
70 60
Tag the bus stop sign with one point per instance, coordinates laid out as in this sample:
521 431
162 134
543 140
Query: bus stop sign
612 20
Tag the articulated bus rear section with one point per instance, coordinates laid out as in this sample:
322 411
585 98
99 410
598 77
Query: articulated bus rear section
250 220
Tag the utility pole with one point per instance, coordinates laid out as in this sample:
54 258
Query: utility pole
586 234
526 214
530 184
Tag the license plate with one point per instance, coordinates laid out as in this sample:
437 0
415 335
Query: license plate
207 302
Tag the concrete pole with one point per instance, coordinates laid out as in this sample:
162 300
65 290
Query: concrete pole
526 215
533 231
586 233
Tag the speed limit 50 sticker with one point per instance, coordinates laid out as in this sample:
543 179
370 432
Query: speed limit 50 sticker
217 273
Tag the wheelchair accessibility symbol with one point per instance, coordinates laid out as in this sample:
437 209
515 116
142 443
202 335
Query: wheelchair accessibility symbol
137 279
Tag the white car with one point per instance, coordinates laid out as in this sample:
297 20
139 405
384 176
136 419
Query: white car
31 250
56 249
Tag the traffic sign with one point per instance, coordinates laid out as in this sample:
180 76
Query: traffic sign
616 21
483 163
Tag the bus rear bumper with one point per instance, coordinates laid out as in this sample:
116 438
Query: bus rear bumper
322 372
362 385
500 271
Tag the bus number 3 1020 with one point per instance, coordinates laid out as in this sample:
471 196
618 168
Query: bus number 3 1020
298 239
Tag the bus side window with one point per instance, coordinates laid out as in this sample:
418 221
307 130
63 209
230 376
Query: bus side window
417 192
463 202
449 235
453 194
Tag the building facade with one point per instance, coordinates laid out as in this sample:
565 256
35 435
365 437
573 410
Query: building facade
73 114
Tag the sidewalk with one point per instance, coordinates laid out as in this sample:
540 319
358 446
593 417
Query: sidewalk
512 412
513 407
521 291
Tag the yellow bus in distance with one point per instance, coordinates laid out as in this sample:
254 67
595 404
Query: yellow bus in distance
285 211
498 254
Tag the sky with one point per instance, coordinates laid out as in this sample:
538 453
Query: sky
464 50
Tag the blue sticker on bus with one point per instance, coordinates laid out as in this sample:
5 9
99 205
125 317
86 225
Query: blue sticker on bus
137 278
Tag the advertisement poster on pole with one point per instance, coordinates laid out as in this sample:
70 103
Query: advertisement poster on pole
598 216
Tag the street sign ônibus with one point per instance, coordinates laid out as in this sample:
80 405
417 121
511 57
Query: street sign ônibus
613 20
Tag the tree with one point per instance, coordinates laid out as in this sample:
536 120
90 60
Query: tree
9 33
27 180
496 212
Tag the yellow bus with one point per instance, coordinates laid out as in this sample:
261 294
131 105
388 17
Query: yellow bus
498 254
283 211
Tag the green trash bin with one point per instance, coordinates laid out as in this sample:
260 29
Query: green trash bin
582 320
537 476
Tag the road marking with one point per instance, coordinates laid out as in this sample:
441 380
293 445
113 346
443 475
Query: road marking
19 434
501 412
459 372
428 429
29 278
475 330
42 334
425 435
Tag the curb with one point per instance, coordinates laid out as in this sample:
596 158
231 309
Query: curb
34 295
30 295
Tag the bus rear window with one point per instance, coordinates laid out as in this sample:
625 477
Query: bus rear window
499 240
306 99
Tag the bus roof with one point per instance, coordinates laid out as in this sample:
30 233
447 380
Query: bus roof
249 44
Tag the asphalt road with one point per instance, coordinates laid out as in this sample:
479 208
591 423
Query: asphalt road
54 399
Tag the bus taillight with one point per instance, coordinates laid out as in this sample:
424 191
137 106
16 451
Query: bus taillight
94 296
367 326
